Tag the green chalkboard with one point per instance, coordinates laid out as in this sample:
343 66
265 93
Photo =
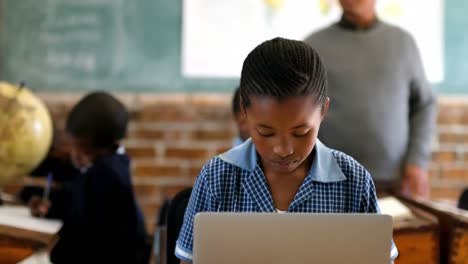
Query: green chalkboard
456 48
135 45
131 45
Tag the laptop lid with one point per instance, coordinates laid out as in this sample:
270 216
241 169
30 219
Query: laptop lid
248 238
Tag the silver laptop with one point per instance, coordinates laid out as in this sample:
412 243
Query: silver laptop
253 238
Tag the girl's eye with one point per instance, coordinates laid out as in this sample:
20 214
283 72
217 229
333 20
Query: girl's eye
263 134
266 135
301 134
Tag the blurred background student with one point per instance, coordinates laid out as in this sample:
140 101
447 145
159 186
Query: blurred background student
102 221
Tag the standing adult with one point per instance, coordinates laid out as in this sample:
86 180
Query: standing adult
383 108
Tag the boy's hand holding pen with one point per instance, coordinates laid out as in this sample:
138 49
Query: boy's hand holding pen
40 205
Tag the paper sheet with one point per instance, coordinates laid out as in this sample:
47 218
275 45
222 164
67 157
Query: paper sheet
392 206
20 217
38 258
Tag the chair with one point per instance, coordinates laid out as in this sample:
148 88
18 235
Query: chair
175 219
463 201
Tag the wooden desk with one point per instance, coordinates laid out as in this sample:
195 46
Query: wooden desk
453 230
18 243
417 239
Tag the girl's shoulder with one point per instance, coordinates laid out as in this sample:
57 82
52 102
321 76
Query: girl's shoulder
352 169
218 171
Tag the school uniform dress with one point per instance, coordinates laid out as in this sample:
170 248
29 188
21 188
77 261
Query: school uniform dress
234 182
103 223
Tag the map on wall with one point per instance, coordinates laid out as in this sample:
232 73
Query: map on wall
218 34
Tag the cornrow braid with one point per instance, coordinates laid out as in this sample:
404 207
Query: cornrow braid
281 68
236 102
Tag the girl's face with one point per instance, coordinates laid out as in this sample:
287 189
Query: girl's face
284 132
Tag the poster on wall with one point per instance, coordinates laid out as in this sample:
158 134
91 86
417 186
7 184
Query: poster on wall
218 34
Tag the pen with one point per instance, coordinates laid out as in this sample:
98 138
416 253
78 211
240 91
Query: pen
45 196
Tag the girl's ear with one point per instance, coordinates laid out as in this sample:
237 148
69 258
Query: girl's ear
325 107
242 108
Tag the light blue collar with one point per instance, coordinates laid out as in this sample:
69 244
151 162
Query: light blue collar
324 167
237 141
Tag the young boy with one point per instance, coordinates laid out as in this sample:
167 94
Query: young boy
102 222
283 167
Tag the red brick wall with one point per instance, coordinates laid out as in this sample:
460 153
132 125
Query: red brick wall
449 167
171 136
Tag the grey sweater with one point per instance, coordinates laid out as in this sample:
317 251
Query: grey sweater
382 110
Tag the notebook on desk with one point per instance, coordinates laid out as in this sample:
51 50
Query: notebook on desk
21 218
250 238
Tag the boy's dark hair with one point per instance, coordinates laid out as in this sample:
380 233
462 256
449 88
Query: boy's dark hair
236 102
98 118
280 68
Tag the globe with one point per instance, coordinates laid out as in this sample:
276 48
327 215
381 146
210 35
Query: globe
25 132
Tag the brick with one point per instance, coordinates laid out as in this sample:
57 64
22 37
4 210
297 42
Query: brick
449 119
141 152
445 193
150 209
222 149
144 191
195 170
151 213
166 112
171 191
142 133
186 153
454 172
222 100
453 138
155 170
213 113
150 224
450 112
151 134
449 138
212 135
453 112
434 172
464 118
444 156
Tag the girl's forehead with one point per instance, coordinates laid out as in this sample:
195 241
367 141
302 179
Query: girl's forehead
297 109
